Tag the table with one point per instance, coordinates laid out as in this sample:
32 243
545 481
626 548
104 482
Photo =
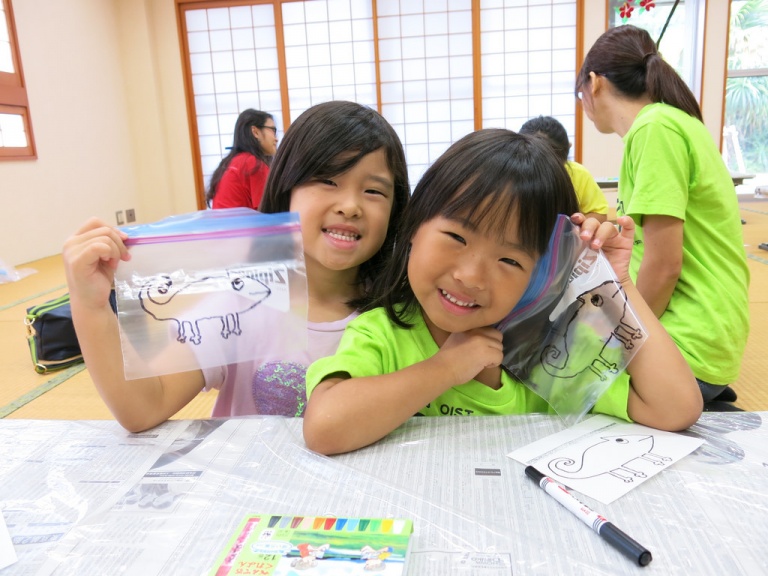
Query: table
607 183
613 182
90 498
738 178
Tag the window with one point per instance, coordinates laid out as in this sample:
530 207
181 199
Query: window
528 62
435 69
16 140
426 68
683 42
233 64
745 132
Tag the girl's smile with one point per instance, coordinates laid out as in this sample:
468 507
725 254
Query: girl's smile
343 237
456 305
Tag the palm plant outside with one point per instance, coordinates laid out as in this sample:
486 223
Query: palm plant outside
746 91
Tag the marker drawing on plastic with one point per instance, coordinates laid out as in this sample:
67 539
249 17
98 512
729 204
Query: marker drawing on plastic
166 299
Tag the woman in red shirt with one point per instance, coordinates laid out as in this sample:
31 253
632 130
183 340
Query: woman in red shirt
239 179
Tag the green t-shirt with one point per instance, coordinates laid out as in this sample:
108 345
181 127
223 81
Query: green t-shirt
373 345
671 167
588 193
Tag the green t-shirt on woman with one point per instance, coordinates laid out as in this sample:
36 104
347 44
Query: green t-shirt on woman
671 167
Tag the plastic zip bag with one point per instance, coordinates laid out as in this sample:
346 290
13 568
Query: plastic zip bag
202 289
573 331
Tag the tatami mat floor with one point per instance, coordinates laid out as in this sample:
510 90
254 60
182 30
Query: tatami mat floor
70 394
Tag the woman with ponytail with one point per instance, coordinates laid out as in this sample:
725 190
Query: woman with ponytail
688 261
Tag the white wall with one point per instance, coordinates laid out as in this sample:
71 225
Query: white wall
106 93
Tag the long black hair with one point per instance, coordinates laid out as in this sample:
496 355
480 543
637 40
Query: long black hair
628 58
327 140
488 177
243 141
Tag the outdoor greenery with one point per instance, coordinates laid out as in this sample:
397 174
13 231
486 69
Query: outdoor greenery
746 97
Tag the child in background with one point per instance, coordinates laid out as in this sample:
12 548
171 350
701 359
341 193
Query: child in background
592 201
342 168
240 177
469 240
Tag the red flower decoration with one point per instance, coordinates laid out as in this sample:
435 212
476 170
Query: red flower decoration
626 10
647 4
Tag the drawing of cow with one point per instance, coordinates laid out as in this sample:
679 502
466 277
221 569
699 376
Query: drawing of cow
184 300
591 326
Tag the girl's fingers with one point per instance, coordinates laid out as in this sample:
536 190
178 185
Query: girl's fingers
95 233
596 233
591 231
627 225
577 218
95 227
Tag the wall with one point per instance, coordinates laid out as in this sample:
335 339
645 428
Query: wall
156 108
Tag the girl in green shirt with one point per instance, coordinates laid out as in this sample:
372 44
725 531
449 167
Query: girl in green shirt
477 224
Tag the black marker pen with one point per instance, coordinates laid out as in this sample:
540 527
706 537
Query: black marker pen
598 523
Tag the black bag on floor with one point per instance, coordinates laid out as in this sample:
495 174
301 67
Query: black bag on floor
51 336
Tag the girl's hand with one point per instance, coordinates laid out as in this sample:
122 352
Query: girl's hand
90 258
615 241
466 354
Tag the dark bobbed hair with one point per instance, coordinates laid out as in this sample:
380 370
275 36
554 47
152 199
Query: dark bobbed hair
327 140
551 129
486 178
243 141
628 58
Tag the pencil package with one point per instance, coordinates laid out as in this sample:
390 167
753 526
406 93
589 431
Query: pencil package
573 331
202 289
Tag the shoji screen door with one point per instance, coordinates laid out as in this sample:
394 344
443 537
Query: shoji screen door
436 69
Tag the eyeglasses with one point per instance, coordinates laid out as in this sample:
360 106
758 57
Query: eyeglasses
273 128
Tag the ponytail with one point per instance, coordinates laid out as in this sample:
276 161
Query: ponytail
664 84
628 58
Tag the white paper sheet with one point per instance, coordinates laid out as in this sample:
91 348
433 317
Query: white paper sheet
7 553
604 457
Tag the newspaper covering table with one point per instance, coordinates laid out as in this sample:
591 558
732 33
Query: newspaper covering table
91 498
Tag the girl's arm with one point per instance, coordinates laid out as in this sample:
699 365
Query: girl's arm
90 258
345 414
664 393
662 260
